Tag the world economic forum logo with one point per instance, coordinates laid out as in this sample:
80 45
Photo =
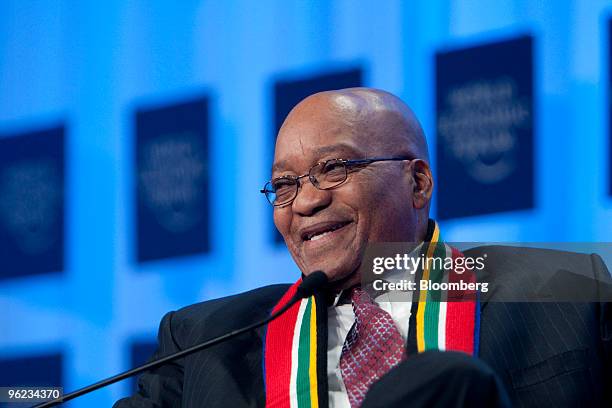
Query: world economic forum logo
172 174
479 126
31 198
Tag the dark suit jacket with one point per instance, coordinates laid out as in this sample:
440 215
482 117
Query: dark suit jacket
552 354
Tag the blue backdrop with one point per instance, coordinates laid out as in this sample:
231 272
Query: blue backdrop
89 67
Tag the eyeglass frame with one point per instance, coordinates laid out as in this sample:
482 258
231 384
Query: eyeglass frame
348 164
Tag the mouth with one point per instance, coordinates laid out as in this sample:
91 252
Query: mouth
321 230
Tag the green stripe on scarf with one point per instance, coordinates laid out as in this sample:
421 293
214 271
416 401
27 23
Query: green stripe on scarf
303 377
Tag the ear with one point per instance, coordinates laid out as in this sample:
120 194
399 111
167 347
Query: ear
423 184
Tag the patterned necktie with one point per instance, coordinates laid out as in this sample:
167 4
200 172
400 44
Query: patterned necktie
373 346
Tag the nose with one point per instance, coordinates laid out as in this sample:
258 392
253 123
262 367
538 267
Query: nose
309 199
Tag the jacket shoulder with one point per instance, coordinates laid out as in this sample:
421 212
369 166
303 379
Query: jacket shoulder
218 316
521 273
500 258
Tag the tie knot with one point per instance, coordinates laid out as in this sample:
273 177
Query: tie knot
364 306
360 297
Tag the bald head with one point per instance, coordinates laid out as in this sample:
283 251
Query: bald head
382 118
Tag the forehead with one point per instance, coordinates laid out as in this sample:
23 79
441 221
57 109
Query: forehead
311 135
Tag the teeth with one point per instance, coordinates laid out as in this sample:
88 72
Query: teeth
321 235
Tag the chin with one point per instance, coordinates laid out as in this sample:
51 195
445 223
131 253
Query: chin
338 271
342 279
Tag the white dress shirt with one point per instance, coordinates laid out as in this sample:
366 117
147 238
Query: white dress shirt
340 319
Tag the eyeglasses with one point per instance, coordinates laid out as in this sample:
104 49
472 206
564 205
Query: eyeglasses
324 175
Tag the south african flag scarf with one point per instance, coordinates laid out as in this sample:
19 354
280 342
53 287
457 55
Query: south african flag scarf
295 351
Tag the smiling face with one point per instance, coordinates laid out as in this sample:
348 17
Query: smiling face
328 230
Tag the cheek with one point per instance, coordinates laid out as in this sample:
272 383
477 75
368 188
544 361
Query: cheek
282 220
385 214
366 196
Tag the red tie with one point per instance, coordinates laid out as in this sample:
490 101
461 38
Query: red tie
373 346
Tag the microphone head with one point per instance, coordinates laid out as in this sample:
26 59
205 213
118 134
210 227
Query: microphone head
311 283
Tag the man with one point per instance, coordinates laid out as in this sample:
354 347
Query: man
351 169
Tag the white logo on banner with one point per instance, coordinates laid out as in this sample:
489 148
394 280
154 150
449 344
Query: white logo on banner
172 178
479 127
30 196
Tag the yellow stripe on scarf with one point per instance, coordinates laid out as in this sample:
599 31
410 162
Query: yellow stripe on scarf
423 293
314 399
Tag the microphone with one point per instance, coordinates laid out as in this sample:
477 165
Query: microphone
310 284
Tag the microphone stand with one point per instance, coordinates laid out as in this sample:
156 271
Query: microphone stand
308 286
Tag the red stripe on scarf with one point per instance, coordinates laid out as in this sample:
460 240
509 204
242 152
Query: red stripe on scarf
460 314
279 346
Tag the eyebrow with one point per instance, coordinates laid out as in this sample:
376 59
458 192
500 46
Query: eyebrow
323 150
